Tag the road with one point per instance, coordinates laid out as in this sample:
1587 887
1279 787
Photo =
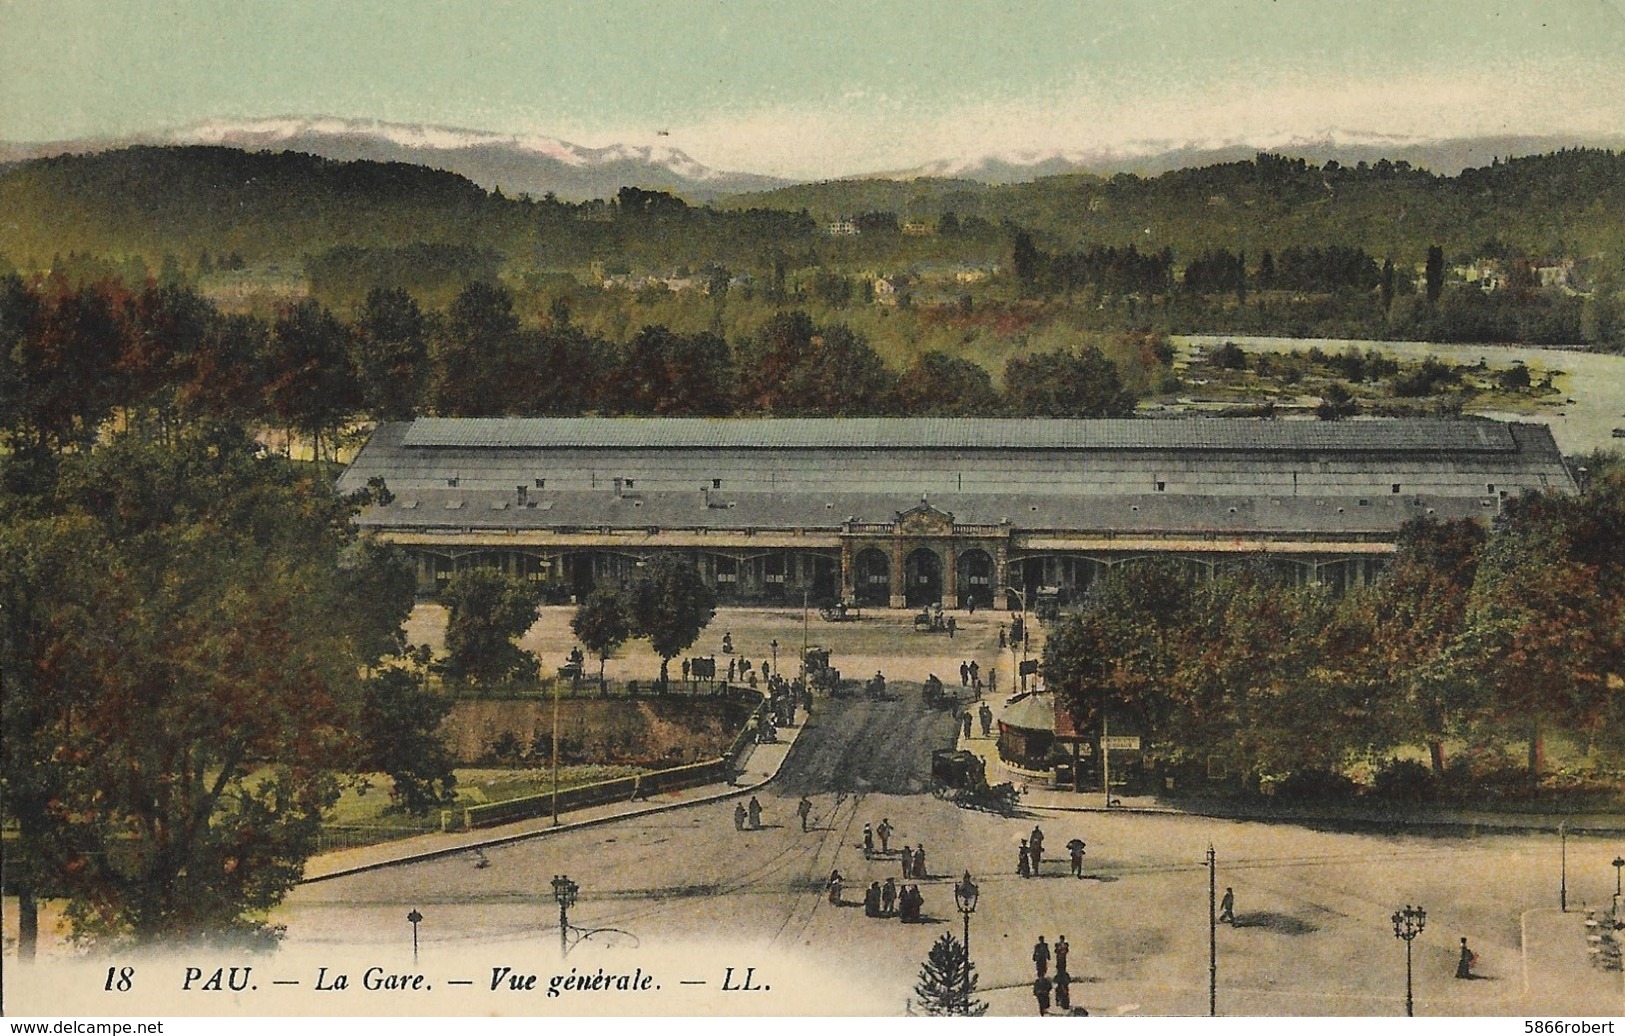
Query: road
683 891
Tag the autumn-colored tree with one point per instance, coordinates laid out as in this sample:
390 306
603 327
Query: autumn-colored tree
183 689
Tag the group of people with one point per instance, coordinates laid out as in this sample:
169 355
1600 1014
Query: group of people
1032 854
891 899
970 675
983 714
749 815
1060 987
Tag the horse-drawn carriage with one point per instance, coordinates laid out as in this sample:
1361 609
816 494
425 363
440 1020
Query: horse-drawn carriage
839 611
960 777
821 676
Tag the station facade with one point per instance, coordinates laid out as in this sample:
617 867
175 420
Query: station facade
911 512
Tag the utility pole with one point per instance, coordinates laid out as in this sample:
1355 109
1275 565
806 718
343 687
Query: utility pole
1212 935
1563 881
555 752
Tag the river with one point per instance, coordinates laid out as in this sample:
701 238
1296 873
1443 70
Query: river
1593 382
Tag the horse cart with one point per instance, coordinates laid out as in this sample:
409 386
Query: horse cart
960 777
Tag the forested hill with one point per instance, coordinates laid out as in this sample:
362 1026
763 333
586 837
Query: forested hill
180 200
1569 202
285 207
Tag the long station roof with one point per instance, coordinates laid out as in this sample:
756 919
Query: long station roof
1207 434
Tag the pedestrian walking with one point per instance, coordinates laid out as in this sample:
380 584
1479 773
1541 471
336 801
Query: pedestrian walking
834 887
908 862
888 896
1024 866
739 816
755 814
1076 848
964 674
975 674
973 605
733 668
1041 991
1041 957
1035 843
985 714
1061 950
919 861
1227 906
868 841
1001 637
871 900
953 627
804 810
1063 990
884 831
1464 966
967 726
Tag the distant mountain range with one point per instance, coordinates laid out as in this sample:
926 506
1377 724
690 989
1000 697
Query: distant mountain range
539 165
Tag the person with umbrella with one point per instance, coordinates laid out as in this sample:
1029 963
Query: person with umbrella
1075 848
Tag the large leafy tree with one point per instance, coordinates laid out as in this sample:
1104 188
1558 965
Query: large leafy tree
488 613
668 373
670 605
1413 615
601 623
1066 383
309 385
391 353
792 367
939 385
1544 619
182 683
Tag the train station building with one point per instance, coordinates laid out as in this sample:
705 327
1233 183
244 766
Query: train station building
909 512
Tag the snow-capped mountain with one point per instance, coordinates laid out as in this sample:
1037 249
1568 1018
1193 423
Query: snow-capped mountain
516 163
537 165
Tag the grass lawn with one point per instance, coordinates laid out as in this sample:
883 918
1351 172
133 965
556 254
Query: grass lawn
362 815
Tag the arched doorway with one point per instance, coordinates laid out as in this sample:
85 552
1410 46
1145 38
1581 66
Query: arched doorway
873 569
975 579
922 575
821 578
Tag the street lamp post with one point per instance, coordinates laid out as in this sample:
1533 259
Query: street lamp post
565 892
965 894
413 918
1212 934
775 646
1619 861
1408 924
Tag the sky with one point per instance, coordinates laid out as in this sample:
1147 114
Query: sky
832 87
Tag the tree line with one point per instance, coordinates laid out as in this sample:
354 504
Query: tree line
1474 636
163 358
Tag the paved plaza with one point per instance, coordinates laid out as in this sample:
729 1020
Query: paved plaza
1312 933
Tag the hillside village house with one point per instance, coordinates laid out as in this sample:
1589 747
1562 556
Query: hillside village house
897 512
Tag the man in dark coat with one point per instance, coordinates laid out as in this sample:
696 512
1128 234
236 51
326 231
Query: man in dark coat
985 714
1035 843
888 896
755 814
1041 957
871 900
1041 989
964 674
1061 950
803 810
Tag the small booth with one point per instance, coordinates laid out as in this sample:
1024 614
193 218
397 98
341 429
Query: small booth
1027 732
